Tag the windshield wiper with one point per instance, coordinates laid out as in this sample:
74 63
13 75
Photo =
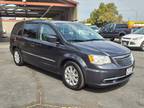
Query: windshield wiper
76 40
84 40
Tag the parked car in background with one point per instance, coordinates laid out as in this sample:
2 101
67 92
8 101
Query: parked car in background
95 28
2 32
135 29
113 31
72 50
134 40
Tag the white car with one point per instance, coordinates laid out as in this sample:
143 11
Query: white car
134 40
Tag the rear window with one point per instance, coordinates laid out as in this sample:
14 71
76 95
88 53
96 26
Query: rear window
121 26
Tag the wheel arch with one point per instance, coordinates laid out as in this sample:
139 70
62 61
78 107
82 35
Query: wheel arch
73 57
122 33
13 48
78 60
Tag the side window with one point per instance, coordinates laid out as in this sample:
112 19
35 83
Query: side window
18 29
121 26
14 29
46 31
106 27
31 31
111 28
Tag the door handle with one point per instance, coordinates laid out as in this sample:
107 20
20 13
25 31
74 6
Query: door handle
32 45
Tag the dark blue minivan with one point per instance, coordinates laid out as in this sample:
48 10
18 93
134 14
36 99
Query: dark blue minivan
72 50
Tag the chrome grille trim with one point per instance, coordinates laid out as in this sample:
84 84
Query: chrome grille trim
123 56
116 78
124 60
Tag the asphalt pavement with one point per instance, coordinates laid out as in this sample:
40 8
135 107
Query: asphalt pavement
30 87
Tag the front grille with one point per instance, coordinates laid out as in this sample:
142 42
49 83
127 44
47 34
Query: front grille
124 60
126 38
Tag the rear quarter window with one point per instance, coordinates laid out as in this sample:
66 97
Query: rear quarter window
18 29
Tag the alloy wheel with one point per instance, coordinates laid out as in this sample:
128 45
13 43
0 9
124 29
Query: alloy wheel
17 57
71 75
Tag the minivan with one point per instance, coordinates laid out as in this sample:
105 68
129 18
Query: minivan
73 50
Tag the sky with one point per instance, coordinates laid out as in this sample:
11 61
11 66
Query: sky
130 9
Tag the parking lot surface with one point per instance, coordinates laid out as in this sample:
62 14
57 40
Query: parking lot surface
29 87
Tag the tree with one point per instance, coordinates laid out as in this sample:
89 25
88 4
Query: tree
106 13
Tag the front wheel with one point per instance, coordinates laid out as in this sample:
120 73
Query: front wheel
73 76
17 57
112 39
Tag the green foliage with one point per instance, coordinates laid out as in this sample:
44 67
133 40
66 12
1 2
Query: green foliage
106 13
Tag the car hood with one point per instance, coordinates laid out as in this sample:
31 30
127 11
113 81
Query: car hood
133 36
104 47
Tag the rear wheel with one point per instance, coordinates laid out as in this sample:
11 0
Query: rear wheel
17 57
73 76
120 36
142 46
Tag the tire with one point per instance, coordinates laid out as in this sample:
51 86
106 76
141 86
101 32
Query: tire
120 36
112 39
142 46
17 56
73 76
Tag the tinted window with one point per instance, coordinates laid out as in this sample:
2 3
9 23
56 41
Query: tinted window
18 29
121 26
108 27
139 31
46 31
31 31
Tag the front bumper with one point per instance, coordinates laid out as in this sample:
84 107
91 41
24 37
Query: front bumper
107 77
131 43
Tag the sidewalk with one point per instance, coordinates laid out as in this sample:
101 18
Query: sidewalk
4 45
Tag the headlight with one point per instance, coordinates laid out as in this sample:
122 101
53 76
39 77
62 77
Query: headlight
99 59
138 38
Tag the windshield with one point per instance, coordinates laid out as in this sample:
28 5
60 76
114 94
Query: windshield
94 27
139 31
76 32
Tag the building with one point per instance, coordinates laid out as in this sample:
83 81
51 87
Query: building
51 9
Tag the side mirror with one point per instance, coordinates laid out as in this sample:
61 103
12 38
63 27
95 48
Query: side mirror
52 39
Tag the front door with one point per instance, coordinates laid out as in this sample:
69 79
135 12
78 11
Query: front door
50 52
